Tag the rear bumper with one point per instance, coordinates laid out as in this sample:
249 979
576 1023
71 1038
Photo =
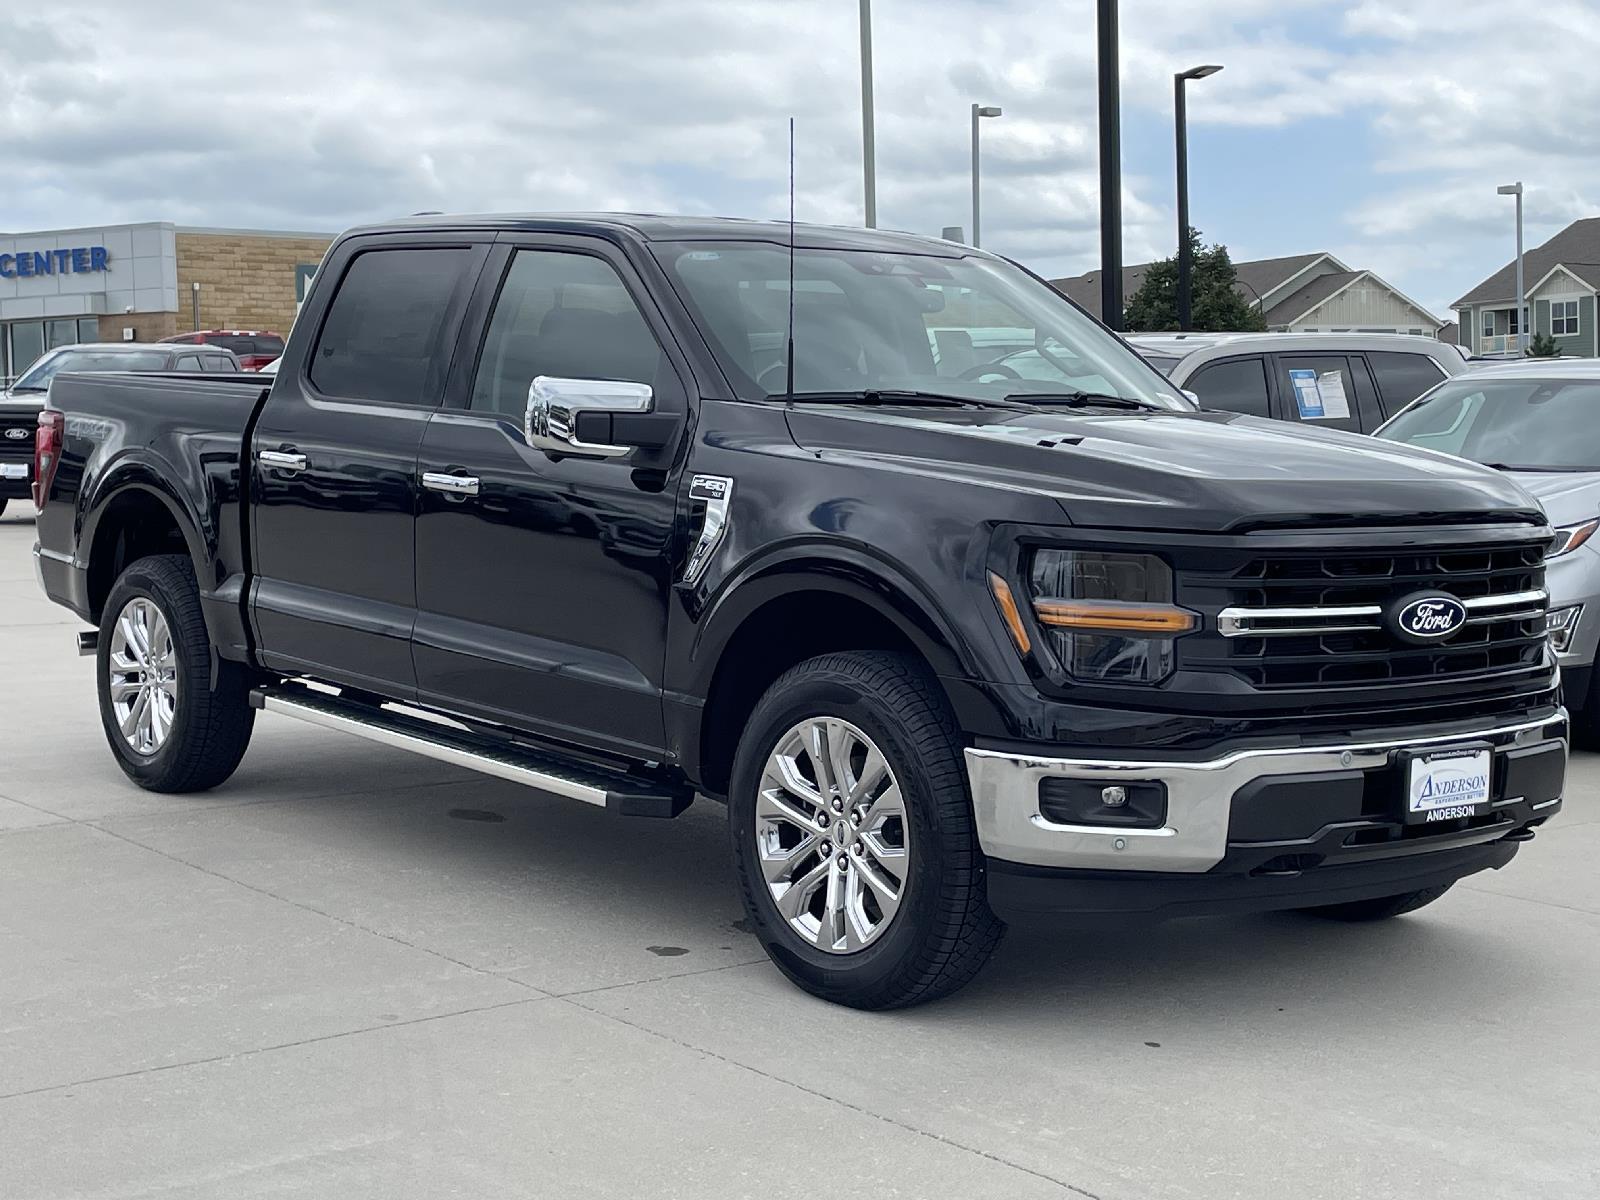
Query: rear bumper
63 582
1259 827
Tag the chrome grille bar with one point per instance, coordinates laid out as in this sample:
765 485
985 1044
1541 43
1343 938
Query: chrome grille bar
1363 618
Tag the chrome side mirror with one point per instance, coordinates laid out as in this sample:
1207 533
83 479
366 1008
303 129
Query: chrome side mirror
557 406
1194 396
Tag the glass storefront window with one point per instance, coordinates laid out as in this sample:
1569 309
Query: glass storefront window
88 329
61 333
27 344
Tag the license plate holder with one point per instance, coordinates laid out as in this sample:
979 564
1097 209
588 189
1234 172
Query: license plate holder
1449 784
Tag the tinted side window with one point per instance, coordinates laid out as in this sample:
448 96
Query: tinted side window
239 345
1238 385
268 345
385 331
1402 377
216 362
188 362
567 315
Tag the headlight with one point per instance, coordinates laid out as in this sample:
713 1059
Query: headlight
1107 617
1561 624
1570 537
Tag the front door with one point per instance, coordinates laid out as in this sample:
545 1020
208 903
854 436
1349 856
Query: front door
335 462
543 581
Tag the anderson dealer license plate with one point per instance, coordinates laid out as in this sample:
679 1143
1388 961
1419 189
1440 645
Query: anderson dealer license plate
1448 785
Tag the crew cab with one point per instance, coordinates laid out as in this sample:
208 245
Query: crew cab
634 508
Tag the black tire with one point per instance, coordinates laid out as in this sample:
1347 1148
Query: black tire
1380 908
944 930
211 725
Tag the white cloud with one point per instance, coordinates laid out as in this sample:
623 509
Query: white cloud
308 115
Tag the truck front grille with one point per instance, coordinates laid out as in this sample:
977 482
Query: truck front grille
1303 620
12 446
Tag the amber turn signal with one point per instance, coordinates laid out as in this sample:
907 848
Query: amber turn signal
1008 610
1113 616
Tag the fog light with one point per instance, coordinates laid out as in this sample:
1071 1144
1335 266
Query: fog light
1561 624
1137 805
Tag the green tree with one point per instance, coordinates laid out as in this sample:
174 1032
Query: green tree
1215 303
1542 345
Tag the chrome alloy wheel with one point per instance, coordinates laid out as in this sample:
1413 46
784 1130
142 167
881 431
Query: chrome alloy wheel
142 676
832 835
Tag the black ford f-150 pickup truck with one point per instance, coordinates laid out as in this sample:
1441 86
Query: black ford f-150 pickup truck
610 506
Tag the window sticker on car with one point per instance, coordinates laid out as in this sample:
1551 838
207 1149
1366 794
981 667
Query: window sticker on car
1306 394
1319 397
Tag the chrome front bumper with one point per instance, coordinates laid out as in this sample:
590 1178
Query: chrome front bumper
1005 797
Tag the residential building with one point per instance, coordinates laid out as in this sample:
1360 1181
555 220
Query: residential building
145 281
1561 279
1303 293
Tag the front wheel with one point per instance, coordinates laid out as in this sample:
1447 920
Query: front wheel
1379 909
172 727
853 836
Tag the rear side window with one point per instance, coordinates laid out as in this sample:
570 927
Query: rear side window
1237 385
1402 377
239 345
188 362
267 345
384 335
216 362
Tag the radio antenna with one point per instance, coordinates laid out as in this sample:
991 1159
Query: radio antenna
789 353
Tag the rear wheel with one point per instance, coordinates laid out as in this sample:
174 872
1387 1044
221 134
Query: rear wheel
853 835
171 726
1381 908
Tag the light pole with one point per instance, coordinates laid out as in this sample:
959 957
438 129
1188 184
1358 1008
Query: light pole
979 111
1515 189
869 153
1110 168
1180 109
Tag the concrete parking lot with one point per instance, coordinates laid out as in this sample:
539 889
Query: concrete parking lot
354 973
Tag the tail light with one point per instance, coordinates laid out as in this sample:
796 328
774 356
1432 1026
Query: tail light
47 443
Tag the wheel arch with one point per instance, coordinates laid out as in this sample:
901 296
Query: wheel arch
794 607
134 514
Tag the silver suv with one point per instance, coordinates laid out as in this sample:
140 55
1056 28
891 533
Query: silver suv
1539 422
1352 381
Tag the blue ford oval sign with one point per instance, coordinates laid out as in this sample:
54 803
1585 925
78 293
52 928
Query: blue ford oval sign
1429 617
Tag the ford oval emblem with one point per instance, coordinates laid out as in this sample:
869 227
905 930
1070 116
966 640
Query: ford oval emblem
1427 617
17 435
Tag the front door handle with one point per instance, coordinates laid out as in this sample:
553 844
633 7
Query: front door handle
450 485
282 460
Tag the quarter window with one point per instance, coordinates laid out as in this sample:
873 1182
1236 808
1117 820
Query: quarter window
1563 318
1238 385
384 336
562 314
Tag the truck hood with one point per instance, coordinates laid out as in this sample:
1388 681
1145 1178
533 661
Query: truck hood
21 401
1201 472
1568 497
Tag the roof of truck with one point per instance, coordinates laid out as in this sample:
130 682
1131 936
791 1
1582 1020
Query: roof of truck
655 227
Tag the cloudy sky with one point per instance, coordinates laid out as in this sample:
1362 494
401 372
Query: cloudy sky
1372 128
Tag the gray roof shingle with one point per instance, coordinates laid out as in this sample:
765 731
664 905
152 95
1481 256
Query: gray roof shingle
1577 247
1257 278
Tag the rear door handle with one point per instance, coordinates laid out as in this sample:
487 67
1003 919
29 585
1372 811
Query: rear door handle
450 485
282 460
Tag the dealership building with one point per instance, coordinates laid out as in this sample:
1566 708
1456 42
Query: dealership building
139 283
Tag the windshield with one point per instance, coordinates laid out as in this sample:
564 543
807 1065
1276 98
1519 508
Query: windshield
864 321
38 379
1532 424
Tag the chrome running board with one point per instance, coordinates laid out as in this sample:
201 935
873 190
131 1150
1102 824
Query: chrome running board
452 742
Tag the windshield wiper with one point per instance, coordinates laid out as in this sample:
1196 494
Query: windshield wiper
1081 399
900 396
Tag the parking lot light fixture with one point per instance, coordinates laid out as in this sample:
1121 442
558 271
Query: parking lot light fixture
979 112
1180 114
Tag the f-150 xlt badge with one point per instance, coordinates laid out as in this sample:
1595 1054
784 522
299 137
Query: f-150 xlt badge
714 491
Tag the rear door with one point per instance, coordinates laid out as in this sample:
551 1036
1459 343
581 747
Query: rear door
542 595
335 460
1332 391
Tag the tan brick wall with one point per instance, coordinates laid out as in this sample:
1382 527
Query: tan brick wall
147 327
246 280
